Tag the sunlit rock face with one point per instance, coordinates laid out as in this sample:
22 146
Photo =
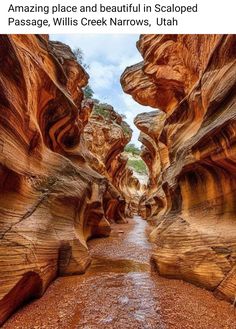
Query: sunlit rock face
189 148
154 154
52 201
105 136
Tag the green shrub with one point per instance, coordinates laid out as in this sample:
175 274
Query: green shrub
138 166
101 109
107 112
131 148
88 92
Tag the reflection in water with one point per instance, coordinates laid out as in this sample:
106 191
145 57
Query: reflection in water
138 235
101 265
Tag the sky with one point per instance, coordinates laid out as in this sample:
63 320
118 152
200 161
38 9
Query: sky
107 56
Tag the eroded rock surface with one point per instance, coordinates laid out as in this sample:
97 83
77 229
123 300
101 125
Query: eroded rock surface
52 200
189 148
105 136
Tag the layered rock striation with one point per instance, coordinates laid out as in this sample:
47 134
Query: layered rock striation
105 137
189 148
52 200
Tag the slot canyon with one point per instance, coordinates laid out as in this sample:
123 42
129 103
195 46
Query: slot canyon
84 241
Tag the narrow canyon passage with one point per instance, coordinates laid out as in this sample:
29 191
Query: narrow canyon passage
122 290
73 252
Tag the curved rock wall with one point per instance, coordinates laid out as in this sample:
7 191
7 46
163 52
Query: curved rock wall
51 200
105 136
189 148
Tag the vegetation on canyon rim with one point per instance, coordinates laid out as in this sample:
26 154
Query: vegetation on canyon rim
131 148
135 161
138 165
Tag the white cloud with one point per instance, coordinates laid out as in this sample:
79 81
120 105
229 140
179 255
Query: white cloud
101 75
111 48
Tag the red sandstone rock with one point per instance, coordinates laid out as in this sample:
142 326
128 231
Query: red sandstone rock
51 200
105 136
190 153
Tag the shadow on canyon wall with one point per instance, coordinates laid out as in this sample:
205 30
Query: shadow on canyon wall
64 178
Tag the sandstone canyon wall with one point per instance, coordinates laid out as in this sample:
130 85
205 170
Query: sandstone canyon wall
53 197
190 150
105 136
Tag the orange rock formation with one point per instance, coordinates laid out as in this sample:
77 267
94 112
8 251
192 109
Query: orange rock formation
52 200
105 136
189 148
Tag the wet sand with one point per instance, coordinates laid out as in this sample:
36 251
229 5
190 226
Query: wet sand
121 290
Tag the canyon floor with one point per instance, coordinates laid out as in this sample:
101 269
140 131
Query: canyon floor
122 290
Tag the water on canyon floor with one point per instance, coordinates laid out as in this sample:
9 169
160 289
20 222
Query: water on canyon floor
121 290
